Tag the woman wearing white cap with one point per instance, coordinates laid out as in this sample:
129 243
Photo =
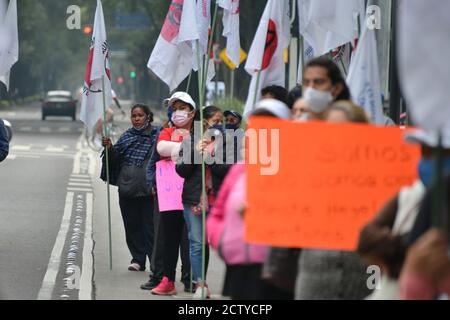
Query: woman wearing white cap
173 224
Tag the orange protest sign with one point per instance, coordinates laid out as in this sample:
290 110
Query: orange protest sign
331 180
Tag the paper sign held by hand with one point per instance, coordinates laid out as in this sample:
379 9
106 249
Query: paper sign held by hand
169 185
332 180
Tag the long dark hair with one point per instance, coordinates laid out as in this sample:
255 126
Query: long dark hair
334 74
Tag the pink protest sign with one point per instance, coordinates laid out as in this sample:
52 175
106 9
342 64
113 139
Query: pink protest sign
169 185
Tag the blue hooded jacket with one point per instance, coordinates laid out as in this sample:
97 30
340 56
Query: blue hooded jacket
4 143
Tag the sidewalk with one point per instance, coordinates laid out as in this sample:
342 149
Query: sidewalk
121 284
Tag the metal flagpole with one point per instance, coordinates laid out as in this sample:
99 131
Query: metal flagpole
258 78
189 82
202 90
106 133
206 61
201 84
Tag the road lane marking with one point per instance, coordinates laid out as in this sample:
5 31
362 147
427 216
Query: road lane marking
86 280
78 184
54 149
80 176
45 130
49 281
44 154
79 189
20 148
86 180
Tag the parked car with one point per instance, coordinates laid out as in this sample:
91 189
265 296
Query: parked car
8 127
59 103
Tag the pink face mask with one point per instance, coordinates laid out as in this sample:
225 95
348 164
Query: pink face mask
180 118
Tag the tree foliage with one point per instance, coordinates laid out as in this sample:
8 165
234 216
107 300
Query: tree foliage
54 57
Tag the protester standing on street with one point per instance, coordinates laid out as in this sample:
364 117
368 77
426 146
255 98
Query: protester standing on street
225 228
157 271
333 274
324 84
189 167
131 154
184 112
4 143
384 240
275 92
233 120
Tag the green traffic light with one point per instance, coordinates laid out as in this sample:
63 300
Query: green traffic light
133 74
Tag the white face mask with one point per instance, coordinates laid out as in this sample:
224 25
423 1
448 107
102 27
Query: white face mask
303 118
318 101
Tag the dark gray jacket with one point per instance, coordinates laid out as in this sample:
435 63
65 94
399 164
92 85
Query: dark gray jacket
331 275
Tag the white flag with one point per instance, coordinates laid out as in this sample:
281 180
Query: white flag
266 53
231 29
97 68
423 58
364 77
326 25
172 58
203 21
9 41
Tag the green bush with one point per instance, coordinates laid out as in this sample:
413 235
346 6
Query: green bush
4 103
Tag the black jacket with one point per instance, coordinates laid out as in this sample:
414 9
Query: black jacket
189 167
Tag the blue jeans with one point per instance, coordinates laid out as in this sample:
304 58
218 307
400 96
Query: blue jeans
195 233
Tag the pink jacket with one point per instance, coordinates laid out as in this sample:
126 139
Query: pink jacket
225 226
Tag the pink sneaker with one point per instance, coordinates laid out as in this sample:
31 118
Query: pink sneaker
165 288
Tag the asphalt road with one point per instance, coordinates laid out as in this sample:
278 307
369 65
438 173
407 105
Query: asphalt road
33 187
53 230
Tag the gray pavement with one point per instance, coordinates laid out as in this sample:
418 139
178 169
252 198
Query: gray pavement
119 283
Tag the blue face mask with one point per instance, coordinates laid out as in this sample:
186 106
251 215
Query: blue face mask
217 127
427 170
231 126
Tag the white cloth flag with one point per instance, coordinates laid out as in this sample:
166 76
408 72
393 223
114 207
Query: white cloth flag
9 41
97 67
364 78
203 21
327 24
231 29
423 54
266 53
171 58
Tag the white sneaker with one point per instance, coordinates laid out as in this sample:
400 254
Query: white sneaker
202 292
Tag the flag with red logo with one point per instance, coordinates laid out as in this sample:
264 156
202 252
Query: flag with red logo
231 11
266 53
97 67
9 40
172 57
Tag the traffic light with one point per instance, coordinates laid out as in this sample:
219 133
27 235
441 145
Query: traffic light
120 80
132 74
87 29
